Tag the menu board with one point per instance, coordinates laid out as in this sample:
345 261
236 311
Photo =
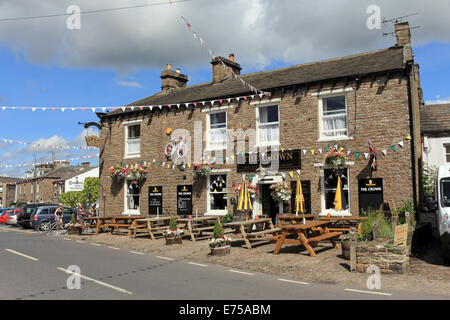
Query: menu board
370 193
155 200
184 200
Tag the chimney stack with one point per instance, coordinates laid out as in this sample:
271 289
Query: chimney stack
172 80
403 33
220 73
85 165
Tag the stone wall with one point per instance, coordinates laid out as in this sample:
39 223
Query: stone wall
388 259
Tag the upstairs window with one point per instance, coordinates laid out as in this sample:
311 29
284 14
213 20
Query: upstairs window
217 131
268 124
447 153
132 140
333 112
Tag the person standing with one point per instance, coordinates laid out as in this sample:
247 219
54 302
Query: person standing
80 212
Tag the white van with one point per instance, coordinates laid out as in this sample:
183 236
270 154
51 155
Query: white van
442 198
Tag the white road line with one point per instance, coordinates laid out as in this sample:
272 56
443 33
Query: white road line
241 272
79 241
67 239
114 248
96 281
198 264
96 244
164 258
136 252
292 281
371 292
21 254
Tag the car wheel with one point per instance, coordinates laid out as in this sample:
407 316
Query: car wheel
44 227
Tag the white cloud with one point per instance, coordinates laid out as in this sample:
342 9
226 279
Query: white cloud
133 84
438 100
257 31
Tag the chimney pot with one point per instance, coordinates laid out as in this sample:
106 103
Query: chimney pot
221 73
178 70
231 57
169 66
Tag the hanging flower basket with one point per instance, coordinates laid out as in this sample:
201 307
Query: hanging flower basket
281 191
252 190
335 159
203 168
138 172
118 173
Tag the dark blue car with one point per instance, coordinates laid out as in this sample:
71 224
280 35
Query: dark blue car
46 214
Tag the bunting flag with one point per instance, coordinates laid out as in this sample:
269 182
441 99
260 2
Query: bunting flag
384 151
373 155
312 151
45 145
366 155
357 155
33 164
400 144
408 137
393 148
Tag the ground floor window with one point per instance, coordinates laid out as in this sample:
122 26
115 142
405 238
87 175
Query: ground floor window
132 195
217 193
329 186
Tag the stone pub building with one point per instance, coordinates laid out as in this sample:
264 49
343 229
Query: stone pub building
341 102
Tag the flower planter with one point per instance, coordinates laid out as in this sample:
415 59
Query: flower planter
173 240
345 249
217 251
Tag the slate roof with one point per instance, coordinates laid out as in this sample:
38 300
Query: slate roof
435 119
8 180
338 68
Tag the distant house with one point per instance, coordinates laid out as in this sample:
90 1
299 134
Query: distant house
46 183
435 131
76 181
7 191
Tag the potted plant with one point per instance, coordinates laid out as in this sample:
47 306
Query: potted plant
118 173
203 168
345 244
173 234
281 191
219 244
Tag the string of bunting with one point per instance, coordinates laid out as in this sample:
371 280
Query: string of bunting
39 145
33 164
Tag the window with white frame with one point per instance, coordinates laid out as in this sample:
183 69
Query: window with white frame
447 153
268 125
132 196
329 187
132 140
333 116
217 130
217 193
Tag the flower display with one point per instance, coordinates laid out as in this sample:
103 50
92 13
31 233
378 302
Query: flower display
118 172
172 233
335 159
219 242
281 191
252 190
139 171
203 168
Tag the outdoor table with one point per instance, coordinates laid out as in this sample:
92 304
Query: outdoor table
152 225
115 223
293 218
87 223
301 231
343 223
199 224
246 229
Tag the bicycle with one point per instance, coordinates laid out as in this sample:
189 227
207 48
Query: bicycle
48 227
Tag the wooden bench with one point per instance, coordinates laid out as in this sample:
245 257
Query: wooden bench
324 236
264 232
245 228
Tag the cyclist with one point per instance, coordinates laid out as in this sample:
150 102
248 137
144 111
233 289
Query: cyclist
59 217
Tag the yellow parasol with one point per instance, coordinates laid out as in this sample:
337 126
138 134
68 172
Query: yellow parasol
245 202
338 197
299 198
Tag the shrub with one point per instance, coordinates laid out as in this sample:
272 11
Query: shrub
227 218
385 227
172 224
428 178
407 206
218 230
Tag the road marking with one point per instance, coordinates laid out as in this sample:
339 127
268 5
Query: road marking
164 258
96 281
371 292
79 241
67 239
299 282
198 264
96 244
241 272
21 254
114 248
136 252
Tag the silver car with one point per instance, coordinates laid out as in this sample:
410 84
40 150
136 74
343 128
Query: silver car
12 217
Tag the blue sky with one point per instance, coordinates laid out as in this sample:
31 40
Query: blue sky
113 59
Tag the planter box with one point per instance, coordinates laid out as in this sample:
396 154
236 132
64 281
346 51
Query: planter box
74 230
220 250
173 240
391 259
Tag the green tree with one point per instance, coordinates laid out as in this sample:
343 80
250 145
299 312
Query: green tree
90 192
70 198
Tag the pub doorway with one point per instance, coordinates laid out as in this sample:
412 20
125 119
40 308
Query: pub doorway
270 208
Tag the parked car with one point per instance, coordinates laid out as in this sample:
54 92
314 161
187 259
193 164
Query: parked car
25 214
46 214
12 217
4 216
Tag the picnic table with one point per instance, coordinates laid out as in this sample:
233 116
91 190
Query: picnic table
293 218
152 225
199 224
115 222
301 231
245 228
86 223
343 223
